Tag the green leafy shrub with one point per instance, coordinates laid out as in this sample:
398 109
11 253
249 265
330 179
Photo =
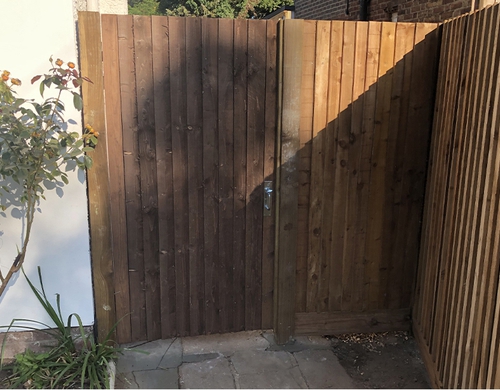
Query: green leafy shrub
36 149
74 362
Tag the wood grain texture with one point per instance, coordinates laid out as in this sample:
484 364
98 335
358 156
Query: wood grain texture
89 36
456 307
116 169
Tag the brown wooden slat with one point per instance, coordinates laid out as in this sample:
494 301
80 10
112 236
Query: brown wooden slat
332 323
132 181
269 225
305 151
240 161
378 188
369 105
315 261
255 171
357 194
89 36
210 173
163 121
288 180
194 92
178 80
147 163
116 170
328 186
226 199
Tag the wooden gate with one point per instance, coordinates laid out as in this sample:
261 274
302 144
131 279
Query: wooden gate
190 122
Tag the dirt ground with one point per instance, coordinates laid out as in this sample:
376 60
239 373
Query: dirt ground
382 360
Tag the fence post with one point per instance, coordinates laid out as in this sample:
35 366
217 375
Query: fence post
290 77
89 37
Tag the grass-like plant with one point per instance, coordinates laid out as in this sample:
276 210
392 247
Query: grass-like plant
76 361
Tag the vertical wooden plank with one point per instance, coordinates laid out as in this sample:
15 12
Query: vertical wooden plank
116 171
378 191
269 226
459 223
255 171
357 195
132 181
194 92
239 169
210 174
333 101
485 276
178 80
454 190
147 163
305 151
315 259
89 35
441 173
163 121
226 156
343 249
370 99
419 117
475 200
395 143
288 180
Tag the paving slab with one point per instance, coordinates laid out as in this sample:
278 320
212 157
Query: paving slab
282 379
173 356
126 380
258 361
208 374
157 379
225 344
322 370
142 357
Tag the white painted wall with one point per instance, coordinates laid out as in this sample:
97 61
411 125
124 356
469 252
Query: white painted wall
30 32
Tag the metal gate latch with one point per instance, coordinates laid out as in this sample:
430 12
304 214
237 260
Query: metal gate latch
268 190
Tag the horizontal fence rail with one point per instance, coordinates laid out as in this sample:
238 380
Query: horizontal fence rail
457 312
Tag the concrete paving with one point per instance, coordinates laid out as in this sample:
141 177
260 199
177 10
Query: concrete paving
231 361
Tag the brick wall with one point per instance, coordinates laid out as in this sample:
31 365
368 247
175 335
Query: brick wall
381 10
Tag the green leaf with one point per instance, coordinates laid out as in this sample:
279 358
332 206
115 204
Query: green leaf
88 162
77 101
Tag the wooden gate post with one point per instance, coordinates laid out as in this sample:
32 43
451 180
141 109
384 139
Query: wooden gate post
290 77
89 37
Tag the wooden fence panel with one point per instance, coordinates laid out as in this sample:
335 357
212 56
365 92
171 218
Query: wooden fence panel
455 313
191 121
366 105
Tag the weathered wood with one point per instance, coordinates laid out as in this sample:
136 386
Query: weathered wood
305 135
456 316
255 169
147 163
178 80
116 187
89 36
239 166
269 223
315 273
194 122
226 171
132 178
210 174
288 180
332 323
162 96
